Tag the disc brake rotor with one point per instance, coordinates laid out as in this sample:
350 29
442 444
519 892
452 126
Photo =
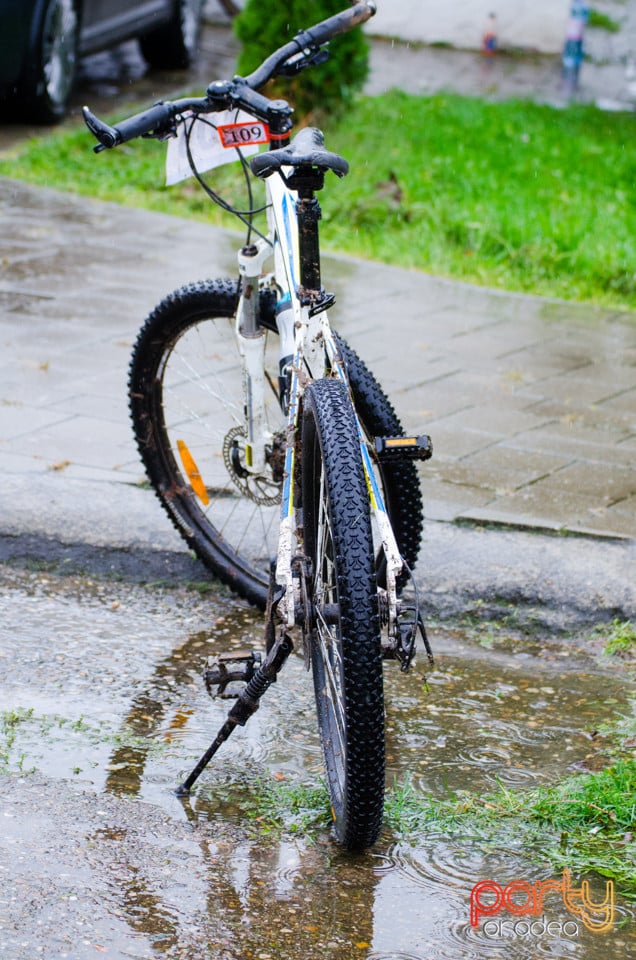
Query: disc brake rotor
261 488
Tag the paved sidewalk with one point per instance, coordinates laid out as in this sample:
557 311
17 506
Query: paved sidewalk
531 404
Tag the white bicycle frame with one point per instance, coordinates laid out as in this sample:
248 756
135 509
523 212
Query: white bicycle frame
308 339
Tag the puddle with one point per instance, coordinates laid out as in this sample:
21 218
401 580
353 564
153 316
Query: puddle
103 684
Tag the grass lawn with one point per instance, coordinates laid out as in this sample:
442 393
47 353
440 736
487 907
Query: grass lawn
510 195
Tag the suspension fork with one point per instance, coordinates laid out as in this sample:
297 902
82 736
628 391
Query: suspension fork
251 337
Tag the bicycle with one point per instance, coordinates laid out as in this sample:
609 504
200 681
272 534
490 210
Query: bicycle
265 436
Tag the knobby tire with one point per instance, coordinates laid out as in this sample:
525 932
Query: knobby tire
346 654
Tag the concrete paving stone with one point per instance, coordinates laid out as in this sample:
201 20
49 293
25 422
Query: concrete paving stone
593 382
576 514
81 440
596 416
446 502
461 391
56 377
401 369
513 514
613 483
623 403
497 420
112 408
451 327
23 465
414 415
30 387
38 338
619 518
540 362
117 473
571 438
451 444
19 463
500 469
16 419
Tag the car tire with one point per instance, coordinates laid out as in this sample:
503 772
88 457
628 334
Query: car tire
52 63
174 46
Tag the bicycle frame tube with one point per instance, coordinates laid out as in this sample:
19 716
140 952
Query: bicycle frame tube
310 341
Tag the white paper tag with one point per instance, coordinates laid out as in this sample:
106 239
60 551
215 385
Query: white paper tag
212 146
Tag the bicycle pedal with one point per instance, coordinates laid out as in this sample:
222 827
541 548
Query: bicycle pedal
394 449
226 668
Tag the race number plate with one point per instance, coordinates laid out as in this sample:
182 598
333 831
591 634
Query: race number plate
213 141
243 134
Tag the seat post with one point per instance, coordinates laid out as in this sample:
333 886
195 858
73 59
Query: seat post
306 180
309 213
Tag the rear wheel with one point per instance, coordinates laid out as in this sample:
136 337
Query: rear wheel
346 654
186 403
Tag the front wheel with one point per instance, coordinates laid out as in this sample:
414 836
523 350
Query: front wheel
186 404
346 653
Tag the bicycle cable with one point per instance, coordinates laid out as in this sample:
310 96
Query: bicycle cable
246 216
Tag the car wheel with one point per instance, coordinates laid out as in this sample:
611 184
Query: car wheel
174 46
53 62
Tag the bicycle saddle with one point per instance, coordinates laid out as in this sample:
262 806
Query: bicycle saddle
307 149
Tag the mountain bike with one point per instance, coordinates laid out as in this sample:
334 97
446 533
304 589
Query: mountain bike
273 448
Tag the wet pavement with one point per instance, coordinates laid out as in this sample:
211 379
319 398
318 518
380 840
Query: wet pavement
105 617
530 403
104 713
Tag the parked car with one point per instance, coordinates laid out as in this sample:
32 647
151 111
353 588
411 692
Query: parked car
42 40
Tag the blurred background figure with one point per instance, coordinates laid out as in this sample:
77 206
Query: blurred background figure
573 49
489 39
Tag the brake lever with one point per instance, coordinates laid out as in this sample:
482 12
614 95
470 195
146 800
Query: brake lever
300 61
107 136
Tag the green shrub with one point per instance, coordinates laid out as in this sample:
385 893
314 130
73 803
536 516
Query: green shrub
320 91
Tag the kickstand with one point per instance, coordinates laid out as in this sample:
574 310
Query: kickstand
248 699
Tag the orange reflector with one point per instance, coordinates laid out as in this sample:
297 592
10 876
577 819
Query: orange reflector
192 472
401 442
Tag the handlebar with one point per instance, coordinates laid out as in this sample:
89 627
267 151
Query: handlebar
159 121
311 40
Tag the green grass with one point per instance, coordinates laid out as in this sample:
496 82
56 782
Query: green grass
603 22
585 822
511 195
620 639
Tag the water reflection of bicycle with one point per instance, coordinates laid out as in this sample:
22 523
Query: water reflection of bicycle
253 886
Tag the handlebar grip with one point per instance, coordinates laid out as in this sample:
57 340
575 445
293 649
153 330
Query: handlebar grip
108 136
340 23
157 117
